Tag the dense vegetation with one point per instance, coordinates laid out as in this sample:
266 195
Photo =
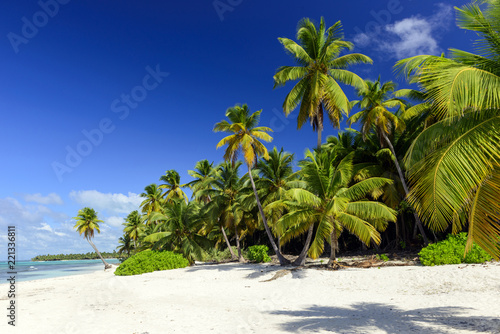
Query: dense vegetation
452 251
149 261
258 253
425 162
87 256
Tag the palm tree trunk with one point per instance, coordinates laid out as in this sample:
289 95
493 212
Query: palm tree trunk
233 256
240 258
301 260
319 138
281 258
334 246
106 265
405 187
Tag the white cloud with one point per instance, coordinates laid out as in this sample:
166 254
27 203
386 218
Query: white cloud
414 36
114 221
411 36
45 227
51 198
112 204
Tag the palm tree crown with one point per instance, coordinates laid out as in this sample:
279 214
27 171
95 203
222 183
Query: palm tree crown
320 70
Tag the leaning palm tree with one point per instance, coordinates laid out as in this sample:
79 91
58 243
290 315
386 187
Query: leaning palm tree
245 136
333 205
376 100
87 223
173 186
454 165
320 68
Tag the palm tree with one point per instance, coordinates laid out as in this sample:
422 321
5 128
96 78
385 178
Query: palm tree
134 226
181 225
87 223
454 164
276 177
246 136
333 205
376 100
173 185
125 244
320 69
153 199
225 207
203 175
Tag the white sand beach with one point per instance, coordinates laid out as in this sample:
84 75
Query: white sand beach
232 298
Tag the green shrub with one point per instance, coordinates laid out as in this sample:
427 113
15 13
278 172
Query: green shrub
258 253
149 261
451 251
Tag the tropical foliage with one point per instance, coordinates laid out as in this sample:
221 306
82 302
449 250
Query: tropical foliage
427 152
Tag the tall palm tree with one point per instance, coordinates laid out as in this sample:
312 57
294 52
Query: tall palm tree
173 186
134 226
333 205
376 100
320 69
454 164
181 224
153 199
87 223
225 207
245 136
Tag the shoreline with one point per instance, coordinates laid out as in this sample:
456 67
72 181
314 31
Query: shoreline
238 298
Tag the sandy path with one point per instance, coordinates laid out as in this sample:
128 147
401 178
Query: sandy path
232 299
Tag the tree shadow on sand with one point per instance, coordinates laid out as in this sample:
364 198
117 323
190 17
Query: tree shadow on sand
376 317
253 270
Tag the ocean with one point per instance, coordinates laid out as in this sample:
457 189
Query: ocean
29 270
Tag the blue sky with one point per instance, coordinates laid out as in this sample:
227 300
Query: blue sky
99 100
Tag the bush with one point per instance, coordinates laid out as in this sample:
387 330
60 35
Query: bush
149 261
258 253
451 251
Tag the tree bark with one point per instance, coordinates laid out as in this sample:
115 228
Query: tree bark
281 258
240 258
301 260
334 246
233 256
106 265
405 187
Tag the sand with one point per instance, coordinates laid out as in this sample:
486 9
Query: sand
232 298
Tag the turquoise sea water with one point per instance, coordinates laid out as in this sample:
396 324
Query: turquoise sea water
28 270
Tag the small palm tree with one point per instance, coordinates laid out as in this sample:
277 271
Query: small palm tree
333 205
276 176
125 245
320 70
203 175
181 224
134 226
376 100
173 186
245 136
87 223
153 199
225 208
